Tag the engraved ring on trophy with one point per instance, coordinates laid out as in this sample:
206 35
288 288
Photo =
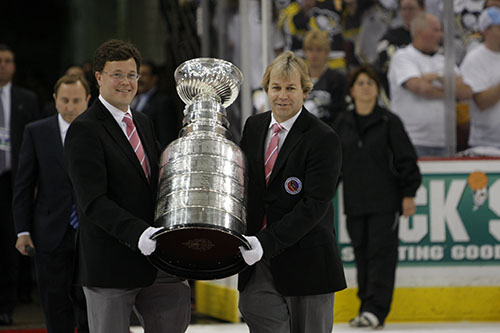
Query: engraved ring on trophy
201 194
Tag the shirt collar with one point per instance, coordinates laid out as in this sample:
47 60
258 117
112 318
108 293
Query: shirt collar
63 124
115 112
429 54
6 89
287 124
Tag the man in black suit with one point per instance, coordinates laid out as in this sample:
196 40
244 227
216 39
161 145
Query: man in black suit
156 105
43 206
294 162
112 160
18 107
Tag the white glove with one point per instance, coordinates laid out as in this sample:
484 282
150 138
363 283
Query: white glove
146 244
255 253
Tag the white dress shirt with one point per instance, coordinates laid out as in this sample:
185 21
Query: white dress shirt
287 126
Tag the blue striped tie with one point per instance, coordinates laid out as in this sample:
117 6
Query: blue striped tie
73 218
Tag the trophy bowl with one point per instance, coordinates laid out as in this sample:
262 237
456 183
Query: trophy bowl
201 199
208 77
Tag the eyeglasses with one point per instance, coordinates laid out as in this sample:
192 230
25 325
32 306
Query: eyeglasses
120 76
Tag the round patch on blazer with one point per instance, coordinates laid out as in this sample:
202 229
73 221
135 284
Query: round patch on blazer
293 185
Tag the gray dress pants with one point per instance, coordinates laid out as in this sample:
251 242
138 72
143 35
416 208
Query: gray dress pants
163 307
265 310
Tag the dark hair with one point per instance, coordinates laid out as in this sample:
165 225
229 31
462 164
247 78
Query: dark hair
353 76
5 47
115 50
152 66
72 79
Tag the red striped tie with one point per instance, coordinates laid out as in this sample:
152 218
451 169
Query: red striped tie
272 151
135 142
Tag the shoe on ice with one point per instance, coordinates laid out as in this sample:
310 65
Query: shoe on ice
366 319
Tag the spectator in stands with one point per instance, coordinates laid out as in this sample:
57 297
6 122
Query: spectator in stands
491 3
380 178
374 23
327 98
364 22
396 38
466 19
157 105
481 70
301 16
416 85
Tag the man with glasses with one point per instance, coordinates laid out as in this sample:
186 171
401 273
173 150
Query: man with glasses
112 158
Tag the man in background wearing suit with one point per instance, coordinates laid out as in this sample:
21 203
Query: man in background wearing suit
112 158
294 162
18 107
44 209
156 105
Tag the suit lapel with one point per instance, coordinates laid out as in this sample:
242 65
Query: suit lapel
119 137
263 128
16 108
292 139
55 142
148 145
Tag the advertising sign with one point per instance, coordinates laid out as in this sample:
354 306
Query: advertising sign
457 219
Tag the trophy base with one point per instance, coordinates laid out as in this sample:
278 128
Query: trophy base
199 252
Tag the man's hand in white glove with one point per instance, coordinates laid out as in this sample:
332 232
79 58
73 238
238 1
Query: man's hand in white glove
255 253
146 244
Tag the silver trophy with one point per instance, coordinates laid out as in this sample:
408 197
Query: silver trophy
201 195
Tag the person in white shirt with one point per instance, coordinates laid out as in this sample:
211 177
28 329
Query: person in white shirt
417 90
481 70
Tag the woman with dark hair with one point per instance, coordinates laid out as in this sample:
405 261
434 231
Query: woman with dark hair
380 178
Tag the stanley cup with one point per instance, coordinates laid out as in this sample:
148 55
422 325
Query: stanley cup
201 195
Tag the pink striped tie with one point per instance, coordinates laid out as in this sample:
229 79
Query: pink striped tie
271 155
272 151
135 142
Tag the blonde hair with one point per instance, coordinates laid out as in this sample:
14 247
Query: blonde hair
284 65
316 38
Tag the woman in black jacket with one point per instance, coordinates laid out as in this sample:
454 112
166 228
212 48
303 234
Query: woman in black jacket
380 178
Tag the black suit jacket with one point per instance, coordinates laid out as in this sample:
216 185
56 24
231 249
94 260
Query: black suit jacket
41 166
24 109
115 200
163 113
299 240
